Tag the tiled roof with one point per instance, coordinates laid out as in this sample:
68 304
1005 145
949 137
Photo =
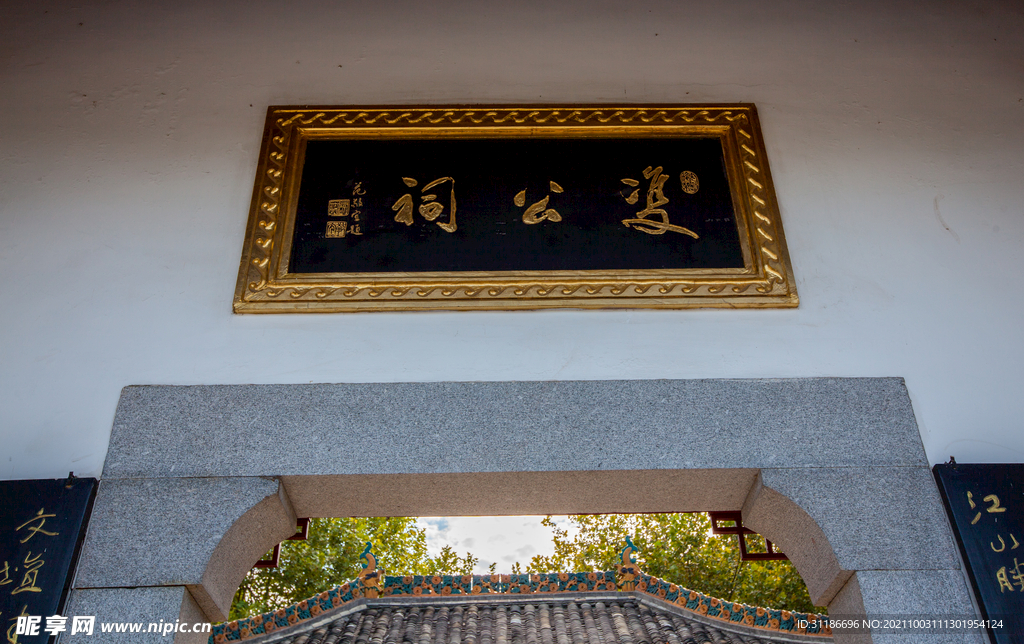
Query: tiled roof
558 618
502 597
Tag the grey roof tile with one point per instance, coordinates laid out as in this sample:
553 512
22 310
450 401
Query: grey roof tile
556 618
625 606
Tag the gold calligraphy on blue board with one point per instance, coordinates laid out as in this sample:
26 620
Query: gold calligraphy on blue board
40 525
1009 581
26 568
984 503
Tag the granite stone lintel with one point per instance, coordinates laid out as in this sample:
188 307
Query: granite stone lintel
447 427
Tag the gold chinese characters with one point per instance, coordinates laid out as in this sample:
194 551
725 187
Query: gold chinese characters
430 208
346 208
539 211
1007 580
23 575
655 199
653 219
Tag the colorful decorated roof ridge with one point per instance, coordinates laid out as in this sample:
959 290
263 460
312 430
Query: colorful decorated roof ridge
626 578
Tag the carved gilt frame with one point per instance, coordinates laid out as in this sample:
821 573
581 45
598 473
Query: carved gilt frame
266 286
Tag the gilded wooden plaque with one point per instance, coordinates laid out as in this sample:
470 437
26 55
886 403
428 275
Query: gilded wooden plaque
369 209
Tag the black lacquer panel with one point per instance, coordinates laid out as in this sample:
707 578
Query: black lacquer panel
352 191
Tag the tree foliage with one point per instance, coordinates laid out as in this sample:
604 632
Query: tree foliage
330 557
678 548
675 547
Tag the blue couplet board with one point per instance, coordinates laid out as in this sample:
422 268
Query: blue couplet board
42 524
986 507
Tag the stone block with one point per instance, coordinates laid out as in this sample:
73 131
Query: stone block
794 532
849 603
410 428
162 532
144 608
875 518
907 594
263 526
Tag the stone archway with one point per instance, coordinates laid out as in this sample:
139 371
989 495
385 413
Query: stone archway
830 469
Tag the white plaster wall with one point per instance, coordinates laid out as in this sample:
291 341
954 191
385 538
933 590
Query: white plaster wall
128 141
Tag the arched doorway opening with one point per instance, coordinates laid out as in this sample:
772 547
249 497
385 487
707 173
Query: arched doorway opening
518 493
200 481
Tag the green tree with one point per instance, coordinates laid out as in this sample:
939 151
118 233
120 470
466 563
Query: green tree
447 562
330 557
678 548
675 547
